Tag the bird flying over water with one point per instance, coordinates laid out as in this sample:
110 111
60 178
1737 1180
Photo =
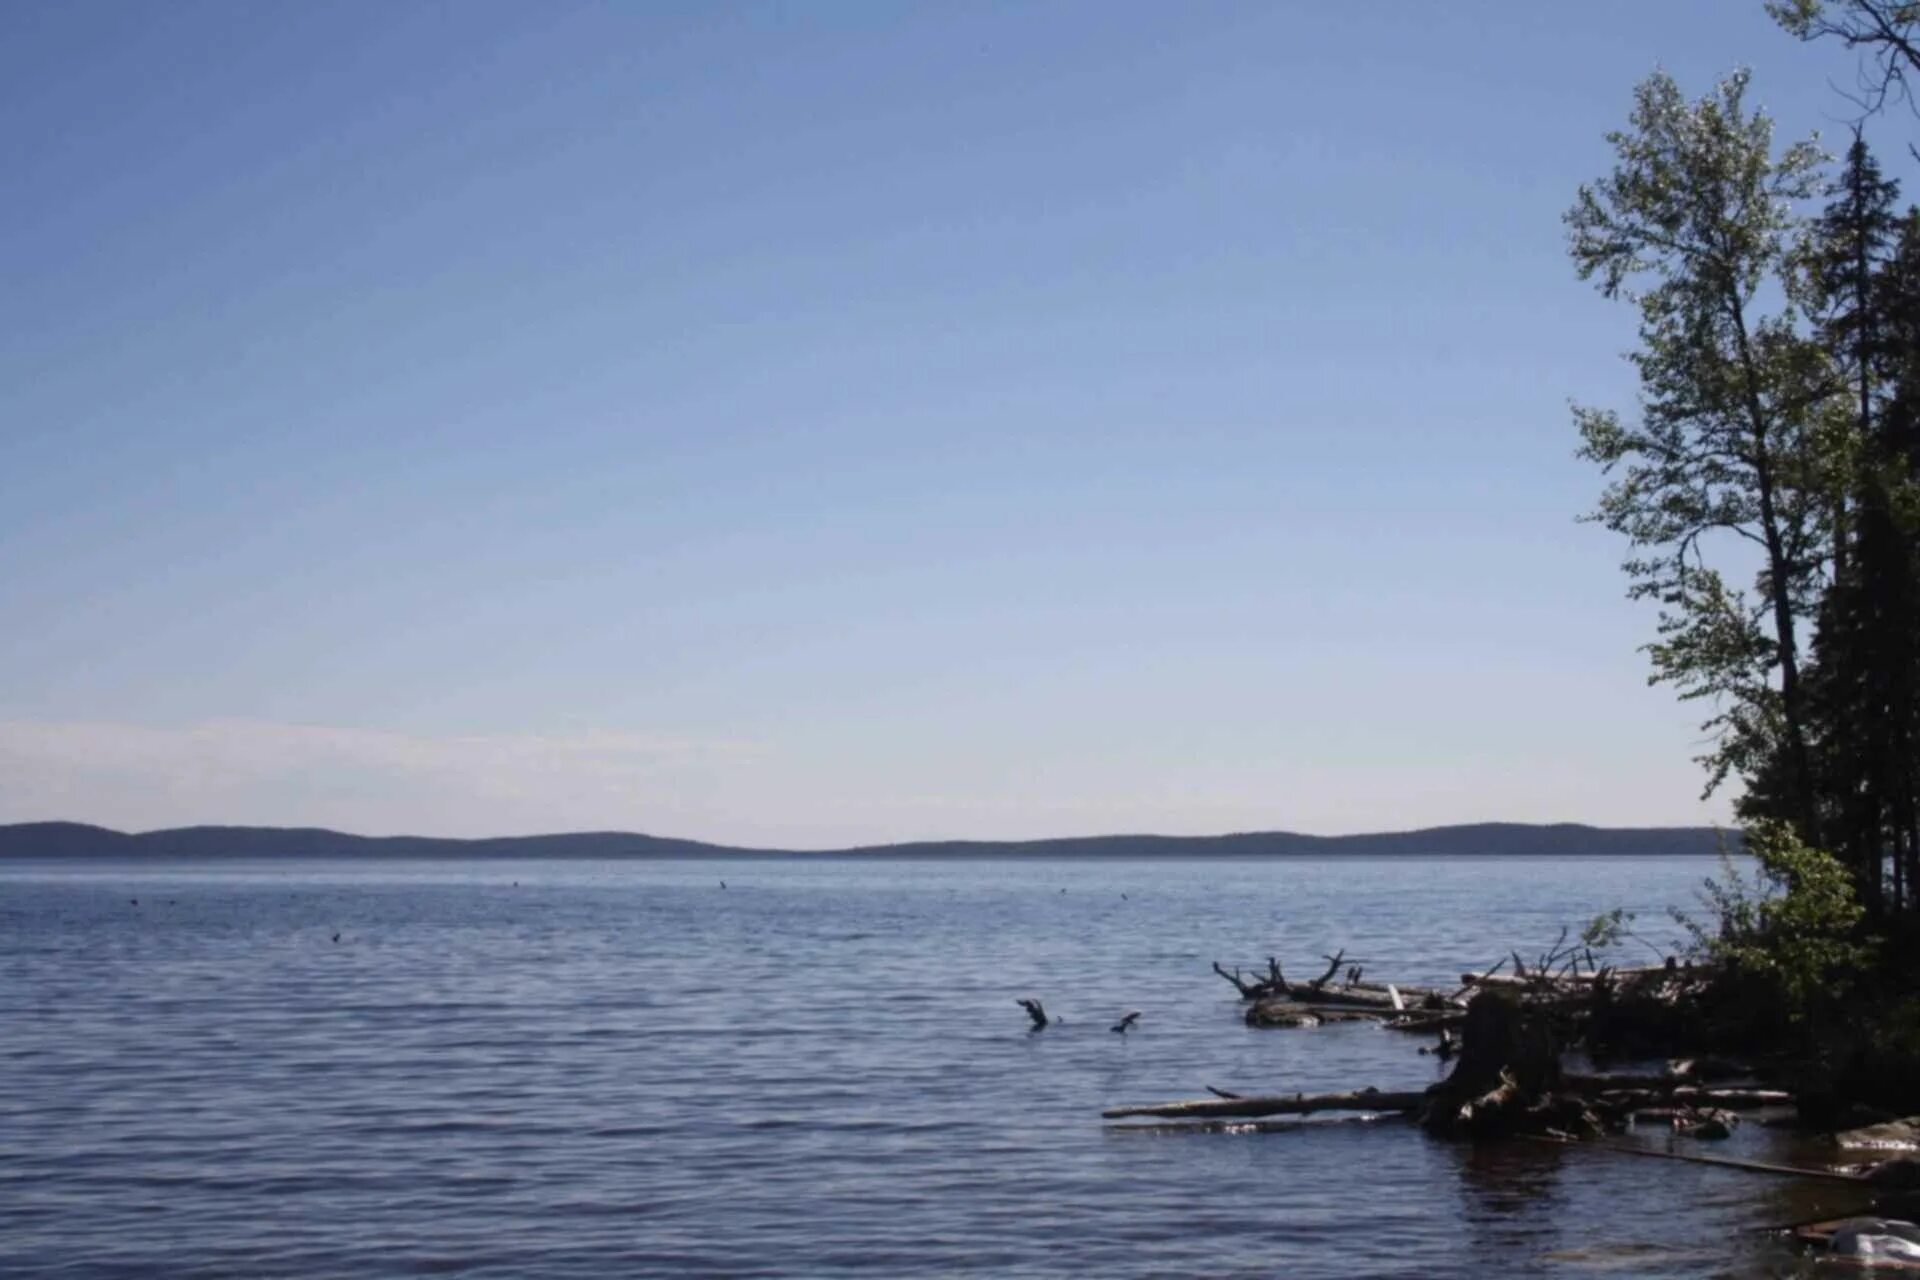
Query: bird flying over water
1126 1024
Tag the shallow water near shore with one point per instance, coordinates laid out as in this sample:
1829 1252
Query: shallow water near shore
600 1068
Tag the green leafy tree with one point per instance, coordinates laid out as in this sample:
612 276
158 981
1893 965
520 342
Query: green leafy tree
1696 225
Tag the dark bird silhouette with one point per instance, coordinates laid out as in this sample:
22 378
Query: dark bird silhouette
134 901
1036 1012
723 884
1126 1024
336 937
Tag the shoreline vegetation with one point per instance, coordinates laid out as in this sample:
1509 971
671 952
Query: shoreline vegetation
1767 484
72 840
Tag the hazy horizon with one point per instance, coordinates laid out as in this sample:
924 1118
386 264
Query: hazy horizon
122 776
669 835
829 426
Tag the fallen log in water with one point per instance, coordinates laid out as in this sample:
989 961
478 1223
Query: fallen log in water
1506 1080
1505 1034
1272 1124
1426 1020
1888 1135
1467 980
1274 985
1281 1013
1356 997
1597 1083
1298 1104
1502 981
1681 1073
1645 1090
1387 996
1635 974
1284 1011
1573 984
1729 1099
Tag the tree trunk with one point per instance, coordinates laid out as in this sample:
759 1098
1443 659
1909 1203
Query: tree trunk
1507 1062
1779 585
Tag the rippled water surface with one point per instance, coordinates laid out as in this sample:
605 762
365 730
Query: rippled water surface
605 1069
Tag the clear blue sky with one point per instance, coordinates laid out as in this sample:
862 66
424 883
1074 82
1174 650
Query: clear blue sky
812 423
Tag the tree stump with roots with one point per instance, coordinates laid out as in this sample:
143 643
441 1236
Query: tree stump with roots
1506 1079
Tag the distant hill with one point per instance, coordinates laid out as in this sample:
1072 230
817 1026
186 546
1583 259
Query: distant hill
78 840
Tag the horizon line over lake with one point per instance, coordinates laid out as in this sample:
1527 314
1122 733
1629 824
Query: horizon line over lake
72 839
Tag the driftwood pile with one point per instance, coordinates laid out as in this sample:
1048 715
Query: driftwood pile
1556 984
1275 1002
1508 1080
1509 1031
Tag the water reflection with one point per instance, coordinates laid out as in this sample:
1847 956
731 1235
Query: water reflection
1510 1198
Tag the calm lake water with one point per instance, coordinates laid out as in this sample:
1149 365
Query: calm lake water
609 1069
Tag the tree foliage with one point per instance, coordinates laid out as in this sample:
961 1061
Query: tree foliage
1768 482
1862 683
1696 226
1793 923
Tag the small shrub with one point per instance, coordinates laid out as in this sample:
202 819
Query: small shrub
1794 925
